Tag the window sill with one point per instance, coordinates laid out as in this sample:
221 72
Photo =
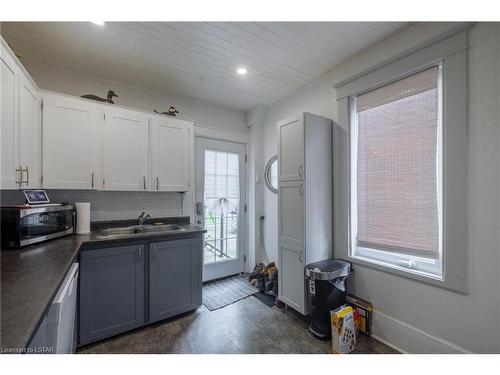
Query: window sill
455 284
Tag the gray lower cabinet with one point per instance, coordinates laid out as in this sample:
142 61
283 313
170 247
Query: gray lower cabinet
175 277
111 291
128 286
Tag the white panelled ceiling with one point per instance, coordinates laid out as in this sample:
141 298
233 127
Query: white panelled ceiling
199 59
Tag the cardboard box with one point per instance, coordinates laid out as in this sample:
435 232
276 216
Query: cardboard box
363 311
343 330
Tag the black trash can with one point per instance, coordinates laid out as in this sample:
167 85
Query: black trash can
326 291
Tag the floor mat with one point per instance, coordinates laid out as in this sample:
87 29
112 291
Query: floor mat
224 292
266 299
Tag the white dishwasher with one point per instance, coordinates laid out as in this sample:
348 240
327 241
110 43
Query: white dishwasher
61 318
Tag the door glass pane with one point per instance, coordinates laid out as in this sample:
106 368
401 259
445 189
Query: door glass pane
221 199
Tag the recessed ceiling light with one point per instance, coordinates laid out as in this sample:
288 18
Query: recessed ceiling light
100 23
241 71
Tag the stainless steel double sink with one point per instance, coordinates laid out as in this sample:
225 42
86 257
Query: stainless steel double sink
141 229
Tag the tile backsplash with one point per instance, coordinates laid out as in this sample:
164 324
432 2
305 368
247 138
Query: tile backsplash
111 205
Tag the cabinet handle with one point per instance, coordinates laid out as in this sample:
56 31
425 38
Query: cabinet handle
300 257
27 176
154 252
301 190
139 255
92 180
157 183
20 181
103 183
301 171
144 182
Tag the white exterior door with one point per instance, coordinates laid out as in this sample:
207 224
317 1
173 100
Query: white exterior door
171 146
30 134
9 169
291 149
220 206
68 139
125 150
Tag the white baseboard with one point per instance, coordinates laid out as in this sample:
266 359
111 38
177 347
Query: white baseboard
408 339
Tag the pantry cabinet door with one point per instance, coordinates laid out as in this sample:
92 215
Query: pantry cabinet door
125 153
30 134
171 145
291 149
291 221
291 288
67 139
9 169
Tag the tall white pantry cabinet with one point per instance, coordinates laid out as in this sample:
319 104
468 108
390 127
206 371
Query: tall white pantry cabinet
304 202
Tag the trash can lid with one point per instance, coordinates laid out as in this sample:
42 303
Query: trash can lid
328 269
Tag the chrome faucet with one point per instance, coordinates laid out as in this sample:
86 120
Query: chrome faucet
142 218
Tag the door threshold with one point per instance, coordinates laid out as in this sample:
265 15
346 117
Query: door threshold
222 278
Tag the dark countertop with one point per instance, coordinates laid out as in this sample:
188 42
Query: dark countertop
31 277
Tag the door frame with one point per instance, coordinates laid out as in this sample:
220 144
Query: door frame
218 144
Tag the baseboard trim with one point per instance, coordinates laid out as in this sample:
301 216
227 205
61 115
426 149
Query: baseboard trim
383 341
408 339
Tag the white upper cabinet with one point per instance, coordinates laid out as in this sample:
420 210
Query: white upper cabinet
10 171
73 143
291 149
125 150
69 143
20 125
90 145
30 134
171 145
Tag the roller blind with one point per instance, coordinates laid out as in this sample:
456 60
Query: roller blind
397 166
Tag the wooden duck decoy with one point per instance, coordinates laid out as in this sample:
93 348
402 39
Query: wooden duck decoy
171 112
109 99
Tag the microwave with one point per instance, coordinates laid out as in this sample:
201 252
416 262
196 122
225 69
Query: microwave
28 224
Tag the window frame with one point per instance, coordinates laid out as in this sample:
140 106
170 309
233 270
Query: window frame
451 53
419 265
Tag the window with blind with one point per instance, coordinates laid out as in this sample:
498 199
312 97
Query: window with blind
396 189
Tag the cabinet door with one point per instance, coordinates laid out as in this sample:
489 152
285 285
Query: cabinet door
30 134
291 227
68 140
291 278
171 144
175 277
291 149
111 291
125 150
9 168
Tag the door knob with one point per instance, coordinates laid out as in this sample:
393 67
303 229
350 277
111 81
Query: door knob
199 208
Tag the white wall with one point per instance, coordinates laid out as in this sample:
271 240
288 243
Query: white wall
209 119
411 315
113 205
74 83
317 98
